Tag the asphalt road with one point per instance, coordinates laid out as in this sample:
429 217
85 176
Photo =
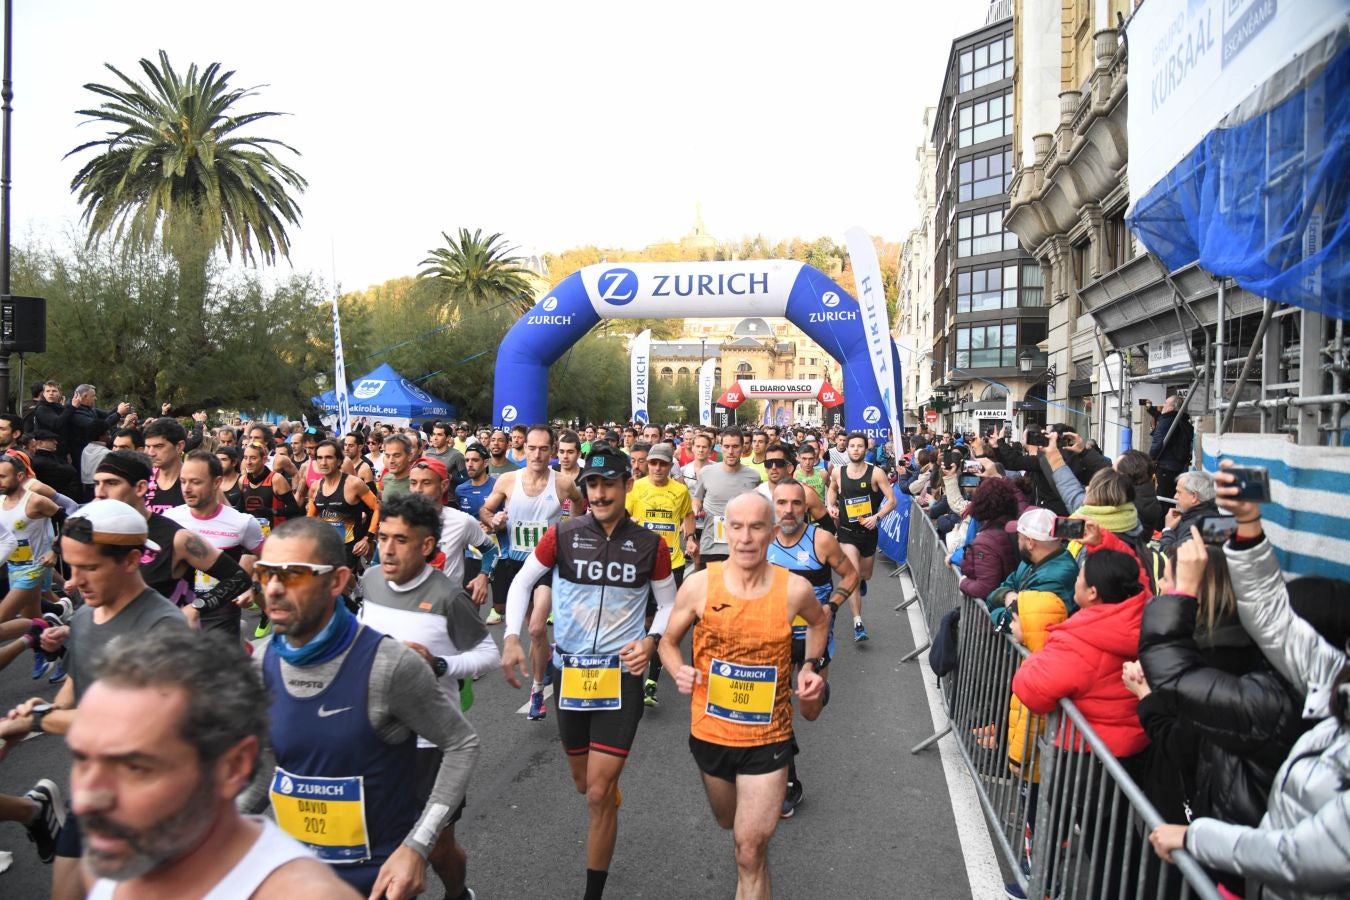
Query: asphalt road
876 822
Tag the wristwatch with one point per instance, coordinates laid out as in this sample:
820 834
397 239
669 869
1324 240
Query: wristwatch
37 714
656 636
817 662
439 666
834 607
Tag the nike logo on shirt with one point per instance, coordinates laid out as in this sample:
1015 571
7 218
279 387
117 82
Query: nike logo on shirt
325 713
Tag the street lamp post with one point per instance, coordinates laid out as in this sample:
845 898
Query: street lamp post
6 96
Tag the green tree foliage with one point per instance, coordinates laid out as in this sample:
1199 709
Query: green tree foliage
119 320
480 273
174 162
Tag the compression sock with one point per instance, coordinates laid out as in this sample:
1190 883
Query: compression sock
862 589
595 884
654 670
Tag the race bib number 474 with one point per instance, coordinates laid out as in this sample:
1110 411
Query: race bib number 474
590 683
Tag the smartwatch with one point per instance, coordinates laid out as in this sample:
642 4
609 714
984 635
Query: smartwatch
817 662
37 714
439 666
656 636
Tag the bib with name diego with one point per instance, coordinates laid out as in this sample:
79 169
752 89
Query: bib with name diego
327 815
741 694
590 683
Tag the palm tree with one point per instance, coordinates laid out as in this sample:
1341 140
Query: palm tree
480 272
175 163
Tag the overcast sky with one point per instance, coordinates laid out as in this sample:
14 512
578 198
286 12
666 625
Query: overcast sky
558 124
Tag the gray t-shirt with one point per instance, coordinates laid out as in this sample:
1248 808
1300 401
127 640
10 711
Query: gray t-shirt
452 459
716 488
88 639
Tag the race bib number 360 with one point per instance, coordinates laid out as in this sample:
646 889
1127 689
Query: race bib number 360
741 694
327 815
590 683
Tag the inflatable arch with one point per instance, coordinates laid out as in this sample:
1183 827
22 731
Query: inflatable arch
802 294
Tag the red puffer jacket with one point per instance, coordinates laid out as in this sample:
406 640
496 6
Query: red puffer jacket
1081 660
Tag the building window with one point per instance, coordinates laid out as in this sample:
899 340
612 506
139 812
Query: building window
982 232
667 374
984 176
994 392
1117 237
743 369
986 346
980 290
985 120
1034 331
987 63
683 374
1033 286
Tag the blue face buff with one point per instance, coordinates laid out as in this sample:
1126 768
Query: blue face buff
335 637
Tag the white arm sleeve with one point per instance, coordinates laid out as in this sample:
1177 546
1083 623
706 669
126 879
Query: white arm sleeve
664 590
518 599
479 661
66 503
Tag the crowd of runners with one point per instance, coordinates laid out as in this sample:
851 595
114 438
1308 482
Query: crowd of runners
214 604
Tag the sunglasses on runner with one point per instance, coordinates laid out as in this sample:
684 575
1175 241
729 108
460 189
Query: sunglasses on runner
775 463
292 574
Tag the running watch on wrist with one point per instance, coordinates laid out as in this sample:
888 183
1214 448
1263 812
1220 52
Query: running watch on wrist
834 607
37 714
439 666
818 663
656 636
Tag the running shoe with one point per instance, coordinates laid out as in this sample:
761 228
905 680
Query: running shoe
50 818
859 633
40 664
263 626
1013 891
67 609
58 670
792 800
494 618
53 619
538 709
649 693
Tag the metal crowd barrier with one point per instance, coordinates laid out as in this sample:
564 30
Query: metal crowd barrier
1066 817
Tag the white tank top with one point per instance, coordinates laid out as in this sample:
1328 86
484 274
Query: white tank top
34 535
527 518
272 850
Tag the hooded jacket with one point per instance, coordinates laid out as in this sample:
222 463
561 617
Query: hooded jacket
1301 850
989 559
1056 573
1036 612
1243 714
1081 662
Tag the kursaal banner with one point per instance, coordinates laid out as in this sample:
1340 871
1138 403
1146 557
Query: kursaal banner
705 391
876 326
640 371
1194 61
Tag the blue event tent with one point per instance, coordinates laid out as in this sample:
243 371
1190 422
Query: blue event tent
386 395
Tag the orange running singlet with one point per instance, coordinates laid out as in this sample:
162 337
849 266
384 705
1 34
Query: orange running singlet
743 648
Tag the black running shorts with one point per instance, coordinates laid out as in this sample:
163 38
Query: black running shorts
726 763
604 731
865 541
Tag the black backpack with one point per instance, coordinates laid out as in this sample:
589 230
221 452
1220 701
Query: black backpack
942 655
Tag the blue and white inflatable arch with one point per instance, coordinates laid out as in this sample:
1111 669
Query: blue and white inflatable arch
804 295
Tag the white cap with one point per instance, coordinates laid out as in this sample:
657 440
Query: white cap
114 522
1036 523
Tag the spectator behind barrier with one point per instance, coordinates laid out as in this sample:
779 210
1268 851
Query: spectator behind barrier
990 555
1082 657
1138 468
1300 849
1220 716
1046 565
1195 500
